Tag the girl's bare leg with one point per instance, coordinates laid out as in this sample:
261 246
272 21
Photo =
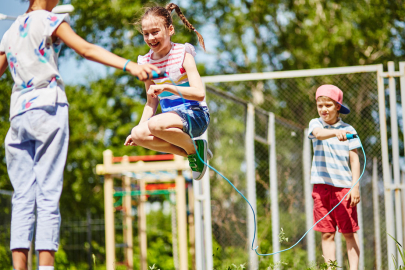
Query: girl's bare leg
142 136
169 127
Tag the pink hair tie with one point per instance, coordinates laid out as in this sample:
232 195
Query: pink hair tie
195 30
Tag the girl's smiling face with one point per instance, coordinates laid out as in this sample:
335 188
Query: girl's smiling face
328 110
157 36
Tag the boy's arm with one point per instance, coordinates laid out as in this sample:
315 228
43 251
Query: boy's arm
3 63
354 195
324 134
100 55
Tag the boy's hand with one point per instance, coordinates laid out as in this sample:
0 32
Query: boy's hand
354 197
129 141
155 89
341 134
143 72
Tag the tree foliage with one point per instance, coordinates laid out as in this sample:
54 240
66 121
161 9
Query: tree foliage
256 36
250 36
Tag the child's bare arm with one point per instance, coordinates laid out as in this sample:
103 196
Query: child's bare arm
196 89
150 106
323 134
354 195
100 55
148 111
3 63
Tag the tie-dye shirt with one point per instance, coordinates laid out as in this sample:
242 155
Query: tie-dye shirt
172 64
33 61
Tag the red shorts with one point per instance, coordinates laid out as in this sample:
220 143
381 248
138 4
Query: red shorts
345 217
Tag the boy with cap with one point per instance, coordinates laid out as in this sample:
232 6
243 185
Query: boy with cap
331 175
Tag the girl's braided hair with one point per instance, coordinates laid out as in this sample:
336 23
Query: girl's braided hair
165 13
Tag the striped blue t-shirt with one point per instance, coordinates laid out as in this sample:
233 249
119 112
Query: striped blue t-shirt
330 164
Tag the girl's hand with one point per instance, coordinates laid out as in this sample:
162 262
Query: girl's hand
354 197
341 134
143 72
129 141
154 90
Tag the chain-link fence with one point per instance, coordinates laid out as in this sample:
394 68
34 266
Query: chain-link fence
292 100
229 210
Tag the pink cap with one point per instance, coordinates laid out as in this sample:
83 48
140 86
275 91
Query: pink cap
332 92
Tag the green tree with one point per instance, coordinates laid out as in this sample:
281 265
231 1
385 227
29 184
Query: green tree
6 83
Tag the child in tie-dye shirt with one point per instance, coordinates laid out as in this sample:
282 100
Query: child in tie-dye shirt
37 142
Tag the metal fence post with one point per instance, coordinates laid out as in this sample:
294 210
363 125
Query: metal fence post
360 233
275 218
395 153
251 182
389 215
207 215
307 157
198 223
402 86
338 244
376 214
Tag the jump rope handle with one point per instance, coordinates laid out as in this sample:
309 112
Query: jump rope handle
156 75
351 136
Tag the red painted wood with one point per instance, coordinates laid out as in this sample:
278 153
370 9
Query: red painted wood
162 186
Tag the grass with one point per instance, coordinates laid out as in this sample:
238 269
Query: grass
401 253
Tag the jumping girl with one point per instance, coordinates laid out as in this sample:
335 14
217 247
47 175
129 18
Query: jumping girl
37 141
172 130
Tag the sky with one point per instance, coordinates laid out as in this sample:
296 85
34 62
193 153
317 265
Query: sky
80 72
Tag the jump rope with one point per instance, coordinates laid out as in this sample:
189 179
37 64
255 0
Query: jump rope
155 75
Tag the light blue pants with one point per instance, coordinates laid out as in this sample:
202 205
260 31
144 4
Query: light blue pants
36 150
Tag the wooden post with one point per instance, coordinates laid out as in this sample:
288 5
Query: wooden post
127 228
174 231
191 228
109 213
142 226
182 219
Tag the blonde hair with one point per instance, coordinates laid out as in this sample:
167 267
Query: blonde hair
324 98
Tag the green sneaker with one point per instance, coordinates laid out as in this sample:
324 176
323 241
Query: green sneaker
197 166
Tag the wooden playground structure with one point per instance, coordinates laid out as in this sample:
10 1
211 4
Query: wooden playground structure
128 169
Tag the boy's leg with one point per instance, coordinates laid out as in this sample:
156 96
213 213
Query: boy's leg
51 146
328 246
348 225
353 251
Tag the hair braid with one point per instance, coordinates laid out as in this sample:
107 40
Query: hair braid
170 8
